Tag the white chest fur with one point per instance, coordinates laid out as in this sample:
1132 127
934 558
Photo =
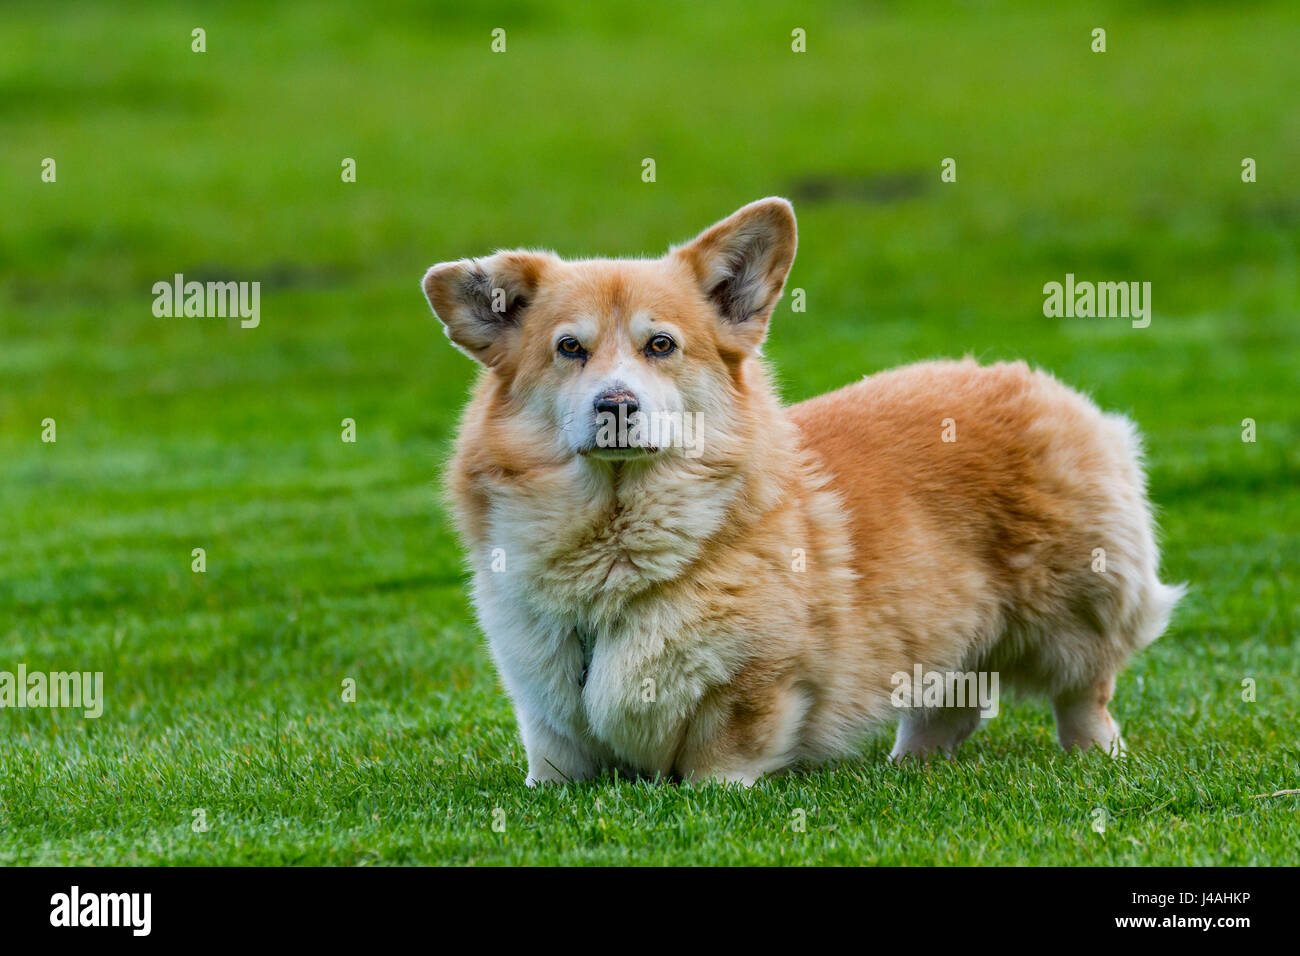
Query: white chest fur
583 566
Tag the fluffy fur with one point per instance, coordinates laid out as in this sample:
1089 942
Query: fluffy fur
730 610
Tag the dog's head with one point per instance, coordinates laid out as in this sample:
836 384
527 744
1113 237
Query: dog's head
620 359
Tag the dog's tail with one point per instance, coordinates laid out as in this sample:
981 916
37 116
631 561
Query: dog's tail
1157 611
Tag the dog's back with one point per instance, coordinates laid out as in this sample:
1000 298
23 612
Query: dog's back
999 521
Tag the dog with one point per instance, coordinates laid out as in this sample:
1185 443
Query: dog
731 600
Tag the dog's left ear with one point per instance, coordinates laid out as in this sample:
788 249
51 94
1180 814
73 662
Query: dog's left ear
741 264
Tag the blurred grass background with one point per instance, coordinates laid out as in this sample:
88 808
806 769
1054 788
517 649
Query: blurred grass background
329 560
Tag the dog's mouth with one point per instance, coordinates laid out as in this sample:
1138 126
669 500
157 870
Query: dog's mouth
620 439
618 452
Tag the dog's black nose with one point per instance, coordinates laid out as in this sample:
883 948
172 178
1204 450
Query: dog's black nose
611 401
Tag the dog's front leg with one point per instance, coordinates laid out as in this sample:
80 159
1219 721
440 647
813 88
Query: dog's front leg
554 757
738 738
539 659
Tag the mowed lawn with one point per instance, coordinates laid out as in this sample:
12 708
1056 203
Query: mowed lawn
225 737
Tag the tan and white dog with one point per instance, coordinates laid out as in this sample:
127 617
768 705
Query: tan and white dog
680 577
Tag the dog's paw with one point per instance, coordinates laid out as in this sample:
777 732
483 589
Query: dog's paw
541 778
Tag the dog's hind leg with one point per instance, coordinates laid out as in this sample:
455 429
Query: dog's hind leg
924 731
1082 718
1083 721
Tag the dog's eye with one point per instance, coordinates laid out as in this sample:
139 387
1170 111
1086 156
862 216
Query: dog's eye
570 347
660 345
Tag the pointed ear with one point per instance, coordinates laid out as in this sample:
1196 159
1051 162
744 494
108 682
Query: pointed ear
481 302
741 264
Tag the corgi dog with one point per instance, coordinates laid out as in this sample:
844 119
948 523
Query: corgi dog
681 578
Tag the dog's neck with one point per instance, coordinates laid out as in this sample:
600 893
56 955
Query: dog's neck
598 534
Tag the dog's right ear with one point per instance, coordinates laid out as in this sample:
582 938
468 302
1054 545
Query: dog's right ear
481 302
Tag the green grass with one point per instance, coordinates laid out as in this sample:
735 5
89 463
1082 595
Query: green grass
329 561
